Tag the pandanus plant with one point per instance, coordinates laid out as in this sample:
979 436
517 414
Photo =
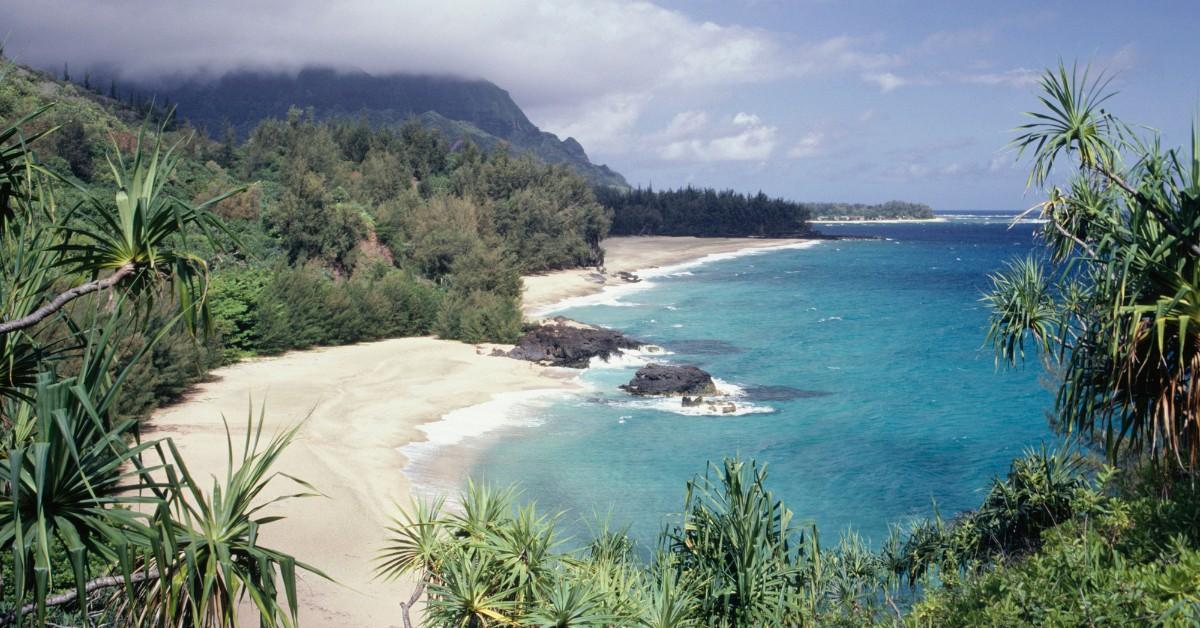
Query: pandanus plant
75 477
1117 306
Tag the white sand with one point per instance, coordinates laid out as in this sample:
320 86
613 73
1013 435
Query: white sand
364 404
630 255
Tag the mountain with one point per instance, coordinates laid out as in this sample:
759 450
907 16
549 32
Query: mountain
461 109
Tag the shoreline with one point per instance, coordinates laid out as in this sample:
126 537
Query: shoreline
359 405
380 413
876 221
642 256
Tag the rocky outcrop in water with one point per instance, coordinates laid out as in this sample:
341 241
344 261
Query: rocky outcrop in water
671 379
563 342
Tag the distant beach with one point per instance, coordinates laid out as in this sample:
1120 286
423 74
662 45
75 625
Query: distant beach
640 256
368 405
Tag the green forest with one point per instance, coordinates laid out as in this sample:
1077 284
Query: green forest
891 210
703 212
134 253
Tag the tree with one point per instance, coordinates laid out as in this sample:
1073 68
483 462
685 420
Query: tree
1117 305
228 152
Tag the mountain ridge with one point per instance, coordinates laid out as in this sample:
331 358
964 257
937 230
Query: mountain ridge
462 109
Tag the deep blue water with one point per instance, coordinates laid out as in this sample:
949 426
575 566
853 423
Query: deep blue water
881 394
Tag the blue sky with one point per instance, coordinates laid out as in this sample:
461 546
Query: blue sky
931 119
807 99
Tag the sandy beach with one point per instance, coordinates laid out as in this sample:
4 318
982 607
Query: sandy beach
630 255
363 404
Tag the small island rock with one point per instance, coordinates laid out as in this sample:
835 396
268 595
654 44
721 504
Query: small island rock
563 342
670 379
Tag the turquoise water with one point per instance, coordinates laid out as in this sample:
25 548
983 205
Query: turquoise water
866 385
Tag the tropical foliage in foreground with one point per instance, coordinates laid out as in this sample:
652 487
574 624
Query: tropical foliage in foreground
1047 546
1117 306
115 527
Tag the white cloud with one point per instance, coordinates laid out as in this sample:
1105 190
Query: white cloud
1121 61
584 68
685 123
545 53
809 146
746 119
606 124
885 80
747 139
1017 77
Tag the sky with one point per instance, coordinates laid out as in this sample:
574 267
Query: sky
817 100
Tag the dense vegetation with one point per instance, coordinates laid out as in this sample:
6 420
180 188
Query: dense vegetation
891 210
707 212
341 231
702 212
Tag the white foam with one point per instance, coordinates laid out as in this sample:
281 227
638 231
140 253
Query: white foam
729 389
508 409
674 405
628 358
612 295
677 269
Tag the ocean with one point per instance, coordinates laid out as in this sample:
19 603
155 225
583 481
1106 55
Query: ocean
858 368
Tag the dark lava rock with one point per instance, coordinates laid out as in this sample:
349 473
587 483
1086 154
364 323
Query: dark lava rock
670 379
563 342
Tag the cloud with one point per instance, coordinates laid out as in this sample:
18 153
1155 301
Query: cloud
746 119
745 139
1017 77
546 53
585 68
951 41
1123 60
809 146
604 124
886 81
685 123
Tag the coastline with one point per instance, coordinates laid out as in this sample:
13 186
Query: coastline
643 256
384 416
876 221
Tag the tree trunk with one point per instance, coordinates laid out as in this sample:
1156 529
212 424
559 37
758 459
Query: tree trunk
72 595
416 596
61 300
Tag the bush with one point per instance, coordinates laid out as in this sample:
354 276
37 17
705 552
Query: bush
292 309
233 300
480 317
483 300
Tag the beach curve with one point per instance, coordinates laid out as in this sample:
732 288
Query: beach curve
366 410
